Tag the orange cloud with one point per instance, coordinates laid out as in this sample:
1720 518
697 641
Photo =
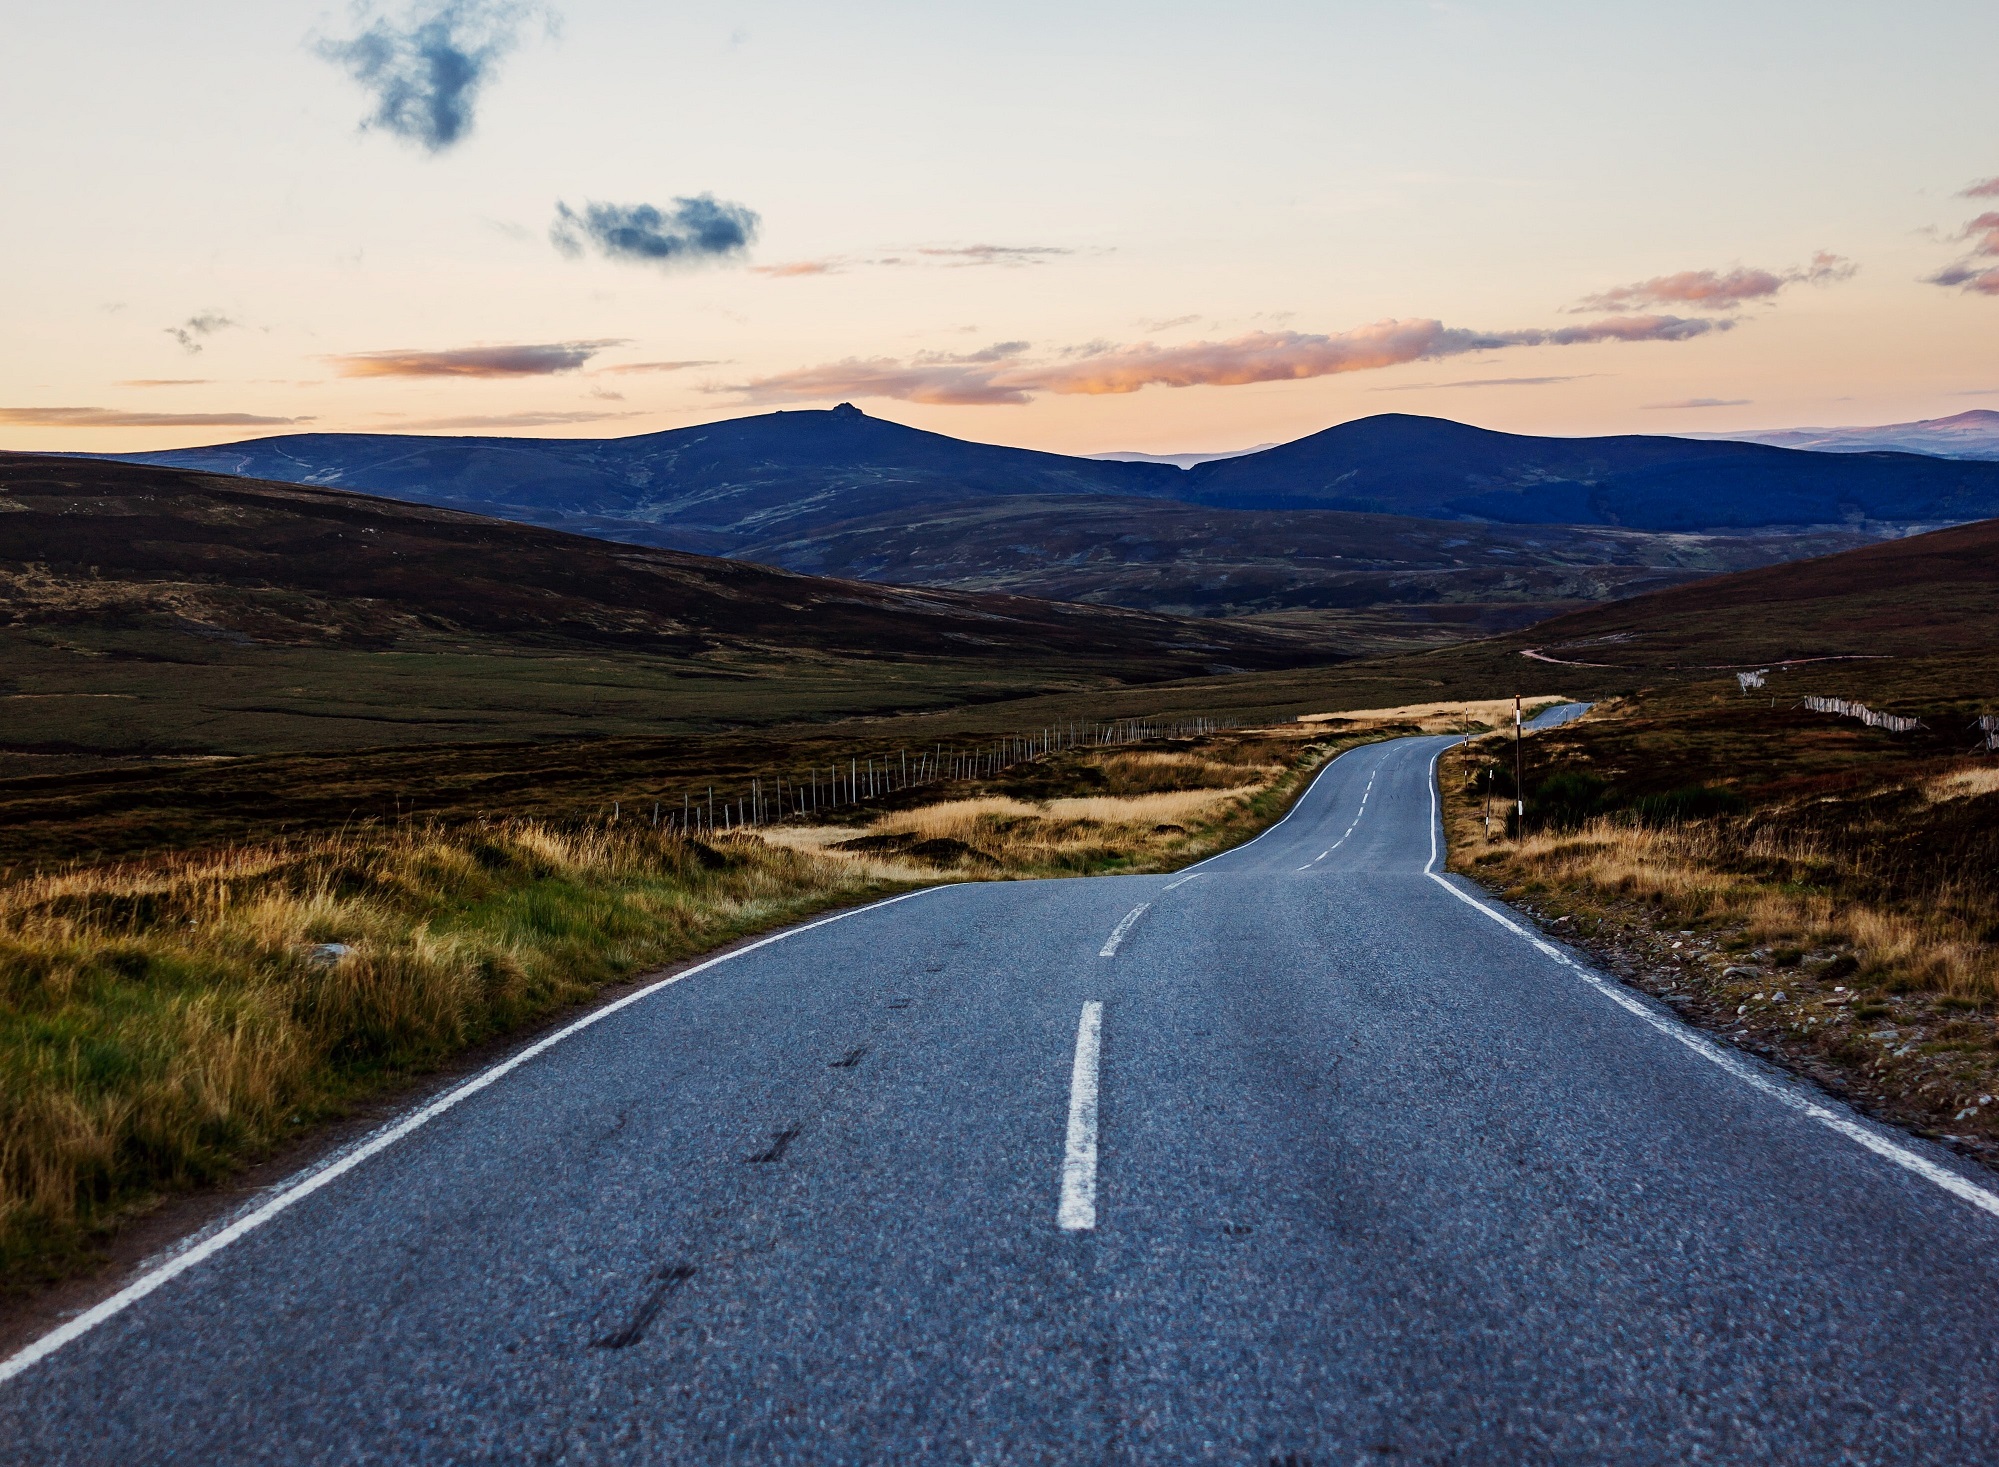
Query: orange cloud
797 267
537 360
95 417
624 367
997 376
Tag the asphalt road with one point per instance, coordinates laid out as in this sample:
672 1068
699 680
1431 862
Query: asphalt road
1315 1163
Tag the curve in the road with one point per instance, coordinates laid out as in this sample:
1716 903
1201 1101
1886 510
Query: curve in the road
1314 1161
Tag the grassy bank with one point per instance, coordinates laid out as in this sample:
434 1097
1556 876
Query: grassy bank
1821 892
165 1022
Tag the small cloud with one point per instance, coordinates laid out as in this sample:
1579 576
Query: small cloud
426 69
988 254
999 351
95 417
1624 328
538 360
1483 382
606 394
937 383
690 231
1967 276
1698 402
1715 290
191 331
1984 234
513 420
166 382
1171 323
795 268
624 367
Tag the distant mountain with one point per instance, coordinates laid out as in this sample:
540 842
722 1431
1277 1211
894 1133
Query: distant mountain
708 489
1178 460
1963 435
1437 469
721 486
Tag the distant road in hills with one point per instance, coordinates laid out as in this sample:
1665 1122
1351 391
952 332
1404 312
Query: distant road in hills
1306 1155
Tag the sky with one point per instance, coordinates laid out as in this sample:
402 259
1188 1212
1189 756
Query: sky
1082 227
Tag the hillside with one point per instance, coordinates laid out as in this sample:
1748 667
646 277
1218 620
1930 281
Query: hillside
1927 596
720 486
163 609
1400 577
1397 463
706 488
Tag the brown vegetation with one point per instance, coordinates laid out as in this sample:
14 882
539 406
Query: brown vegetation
1821 892
164 1021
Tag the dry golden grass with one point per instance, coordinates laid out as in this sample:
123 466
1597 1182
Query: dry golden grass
1708 873
163 1023
159 1024
1963 784
1436 717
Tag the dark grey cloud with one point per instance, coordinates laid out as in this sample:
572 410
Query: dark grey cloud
426 68
689 231
533 359
191 331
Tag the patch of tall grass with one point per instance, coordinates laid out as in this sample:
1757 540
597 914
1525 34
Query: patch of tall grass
162 1023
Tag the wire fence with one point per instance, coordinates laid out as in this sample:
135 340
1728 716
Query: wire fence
870 776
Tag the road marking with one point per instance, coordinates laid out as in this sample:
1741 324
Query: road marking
1078 1210
1799 1101
1181 882
1296 805
1349 830
343 1162
1109 949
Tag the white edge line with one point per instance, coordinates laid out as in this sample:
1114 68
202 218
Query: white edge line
1109 949
1903 1156
298 1191
1077 1212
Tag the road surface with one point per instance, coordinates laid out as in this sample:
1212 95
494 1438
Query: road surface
1299 1157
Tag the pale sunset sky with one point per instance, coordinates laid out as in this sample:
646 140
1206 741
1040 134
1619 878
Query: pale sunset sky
1075 226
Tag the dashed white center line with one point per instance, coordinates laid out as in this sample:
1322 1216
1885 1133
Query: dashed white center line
1109 949
1078 1210
1181 882
1348 831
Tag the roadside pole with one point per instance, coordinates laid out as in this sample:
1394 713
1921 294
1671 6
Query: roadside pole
1519 788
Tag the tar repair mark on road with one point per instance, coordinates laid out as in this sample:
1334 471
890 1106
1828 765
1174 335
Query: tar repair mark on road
780 1142
851 1058
664 1283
